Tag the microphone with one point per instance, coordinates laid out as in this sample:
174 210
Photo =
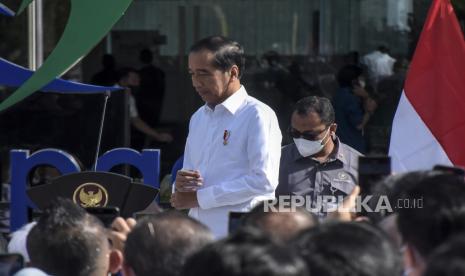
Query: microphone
102 121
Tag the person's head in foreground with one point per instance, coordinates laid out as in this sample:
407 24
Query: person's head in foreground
439 214
68 241
160 244
281 226
448 259
246 252
348 249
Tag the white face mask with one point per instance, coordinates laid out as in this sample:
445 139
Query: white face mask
308 148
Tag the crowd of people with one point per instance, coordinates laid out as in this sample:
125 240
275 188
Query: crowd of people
292 221
428 240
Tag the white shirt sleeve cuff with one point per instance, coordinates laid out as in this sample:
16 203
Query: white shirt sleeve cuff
206 198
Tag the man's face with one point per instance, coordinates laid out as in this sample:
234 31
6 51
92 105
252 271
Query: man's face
210 82
310 127
133 79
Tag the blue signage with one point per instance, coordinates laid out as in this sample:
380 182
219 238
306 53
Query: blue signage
23 163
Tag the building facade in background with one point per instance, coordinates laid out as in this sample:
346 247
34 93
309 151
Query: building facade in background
294 47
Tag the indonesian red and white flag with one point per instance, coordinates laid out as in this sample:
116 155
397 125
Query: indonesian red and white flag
429 125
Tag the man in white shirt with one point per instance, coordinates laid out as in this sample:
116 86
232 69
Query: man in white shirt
231 159
379 64
130 79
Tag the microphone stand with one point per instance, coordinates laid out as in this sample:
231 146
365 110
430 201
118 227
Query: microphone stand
102 121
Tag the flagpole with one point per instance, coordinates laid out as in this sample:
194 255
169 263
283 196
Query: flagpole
39 33
35 35
31 21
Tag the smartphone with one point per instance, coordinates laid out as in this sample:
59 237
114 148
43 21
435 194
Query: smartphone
372 169
450 169
10 263
235 220
106 214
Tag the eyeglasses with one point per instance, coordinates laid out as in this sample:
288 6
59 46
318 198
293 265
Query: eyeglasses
307 135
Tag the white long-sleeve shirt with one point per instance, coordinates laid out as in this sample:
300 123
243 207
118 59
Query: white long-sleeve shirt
236 147
379 65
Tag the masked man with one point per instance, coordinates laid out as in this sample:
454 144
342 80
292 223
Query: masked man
317 166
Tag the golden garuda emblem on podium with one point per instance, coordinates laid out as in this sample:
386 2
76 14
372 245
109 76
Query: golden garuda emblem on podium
90 195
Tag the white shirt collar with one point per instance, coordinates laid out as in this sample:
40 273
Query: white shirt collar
233 102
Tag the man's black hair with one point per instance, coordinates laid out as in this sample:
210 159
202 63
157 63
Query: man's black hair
391 187
383 49
66 240
245 252
124 72
441 215
320 105
160 244
272 57
226 52
348 74
146 56
108 61
285 224
448 259
355 249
